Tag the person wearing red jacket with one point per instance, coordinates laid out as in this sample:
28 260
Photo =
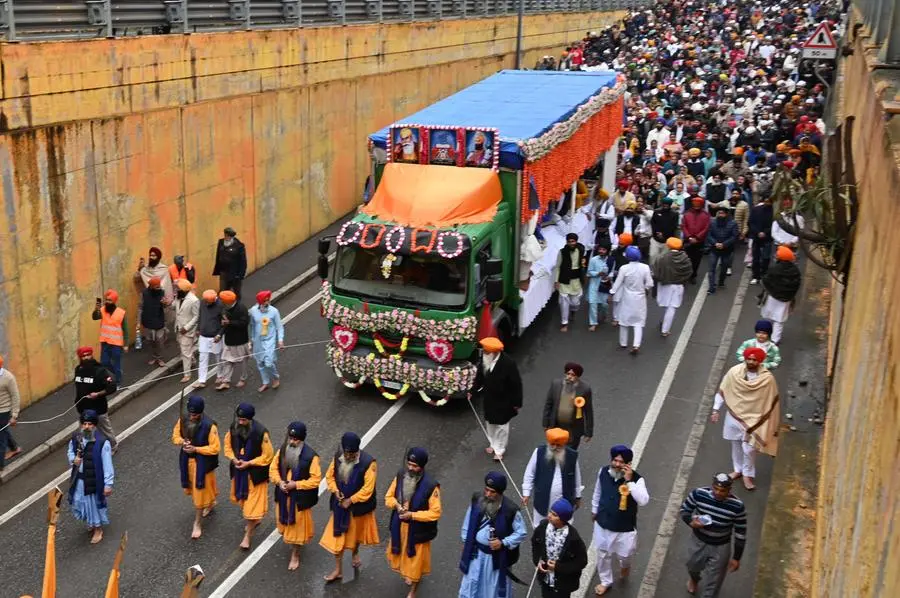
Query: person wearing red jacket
694 226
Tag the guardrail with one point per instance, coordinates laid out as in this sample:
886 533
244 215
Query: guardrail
22 20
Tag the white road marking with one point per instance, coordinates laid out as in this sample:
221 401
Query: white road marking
133 428
266 545
656 405
679 487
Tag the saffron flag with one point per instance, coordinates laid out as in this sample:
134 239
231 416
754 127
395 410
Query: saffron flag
54 499
112 586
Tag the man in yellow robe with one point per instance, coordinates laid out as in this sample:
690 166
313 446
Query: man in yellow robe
351 481
198 437
296 473
415 499
249 449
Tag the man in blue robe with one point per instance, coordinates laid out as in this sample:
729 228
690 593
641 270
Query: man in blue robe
91 481
267 336
492 531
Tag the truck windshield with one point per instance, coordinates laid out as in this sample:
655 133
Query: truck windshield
426 279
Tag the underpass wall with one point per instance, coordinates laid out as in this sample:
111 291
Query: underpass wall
110 146
857 550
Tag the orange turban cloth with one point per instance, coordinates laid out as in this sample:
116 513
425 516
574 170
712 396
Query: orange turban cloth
557 436
784 254
491 344
154 282
626 239
112 295
673 243
228 297
184 285
603 194
738 151
209 295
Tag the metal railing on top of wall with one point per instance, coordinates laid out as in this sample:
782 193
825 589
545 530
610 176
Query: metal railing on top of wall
882 17
22 20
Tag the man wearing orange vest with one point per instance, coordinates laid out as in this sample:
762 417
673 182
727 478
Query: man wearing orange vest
182 270
113 333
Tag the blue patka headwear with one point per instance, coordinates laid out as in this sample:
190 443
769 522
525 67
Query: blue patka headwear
297 430
496 481
245 410
633 253
418 455
90 416
764 326
620 450
563 509
350 442
195 404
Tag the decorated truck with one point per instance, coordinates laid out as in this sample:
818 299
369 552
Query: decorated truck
445 253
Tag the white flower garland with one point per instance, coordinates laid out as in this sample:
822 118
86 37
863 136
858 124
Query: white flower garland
440 244
341 238
538 147
390 235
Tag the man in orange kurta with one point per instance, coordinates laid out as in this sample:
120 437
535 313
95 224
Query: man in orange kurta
198 437
296 473
248 447
351 481
415 499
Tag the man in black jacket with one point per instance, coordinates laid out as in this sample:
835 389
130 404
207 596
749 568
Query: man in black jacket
231 262
720 240
569 406
499 385
558 552
760 225
664 224
236 333
93 386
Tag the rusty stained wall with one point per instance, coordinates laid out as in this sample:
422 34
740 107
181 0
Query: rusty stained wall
858 516
111 146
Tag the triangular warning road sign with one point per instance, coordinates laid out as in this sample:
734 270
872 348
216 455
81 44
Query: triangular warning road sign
821 38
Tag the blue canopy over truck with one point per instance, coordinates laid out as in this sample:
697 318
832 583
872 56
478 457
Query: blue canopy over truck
434 261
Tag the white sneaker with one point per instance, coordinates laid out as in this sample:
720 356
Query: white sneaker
754 281
728 272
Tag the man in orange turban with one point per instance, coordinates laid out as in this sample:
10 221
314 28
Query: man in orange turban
154 302
187 319
210 340
553 472
671 272
781 284
569 406
236 334
499 385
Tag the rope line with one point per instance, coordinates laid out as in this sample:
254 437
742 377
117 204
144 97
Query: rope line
140 383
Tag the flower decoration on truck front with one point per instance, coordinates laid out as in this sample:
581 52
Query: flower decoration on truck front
401 321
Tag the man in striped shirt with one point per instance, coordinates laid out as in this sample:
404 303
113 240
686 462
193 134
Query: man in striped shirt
713 513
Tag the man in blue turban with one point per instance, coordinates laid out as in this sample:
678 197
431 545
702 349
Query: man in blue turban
558 551
89 452
351 481
198 437
630 295
492 531
415 502
249 449
296 472
618 493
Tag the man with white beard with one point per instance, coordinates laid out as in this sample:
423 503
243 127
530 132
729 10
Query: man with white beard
553 472
351 480
618 493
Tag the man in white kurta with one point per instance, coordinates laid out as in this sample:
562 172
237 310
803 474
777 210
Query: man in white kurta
553 472
617 495
630 291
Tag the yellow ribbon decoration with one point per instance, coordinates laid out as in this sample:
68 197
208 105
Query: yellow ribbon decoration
579 403
624 492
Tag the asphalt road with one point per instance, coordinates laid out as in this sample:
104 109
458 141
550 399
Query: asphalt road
148 502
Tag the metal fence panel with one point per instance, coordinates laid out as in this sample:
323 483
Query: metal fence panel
60 19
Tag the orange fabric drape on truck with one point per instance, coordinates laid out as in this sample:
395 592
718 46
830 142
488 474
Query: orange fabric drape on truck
419 195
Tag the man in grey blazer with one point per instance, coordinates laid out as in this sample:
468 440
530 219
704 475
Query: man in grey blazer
569 406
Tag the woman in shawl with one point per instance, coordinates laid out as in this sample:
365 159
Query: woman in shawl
781 283
750 395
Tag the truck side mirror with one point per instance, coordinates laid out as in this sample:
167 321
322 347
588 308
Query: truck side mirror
493 289
324 246
493 266
322 266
